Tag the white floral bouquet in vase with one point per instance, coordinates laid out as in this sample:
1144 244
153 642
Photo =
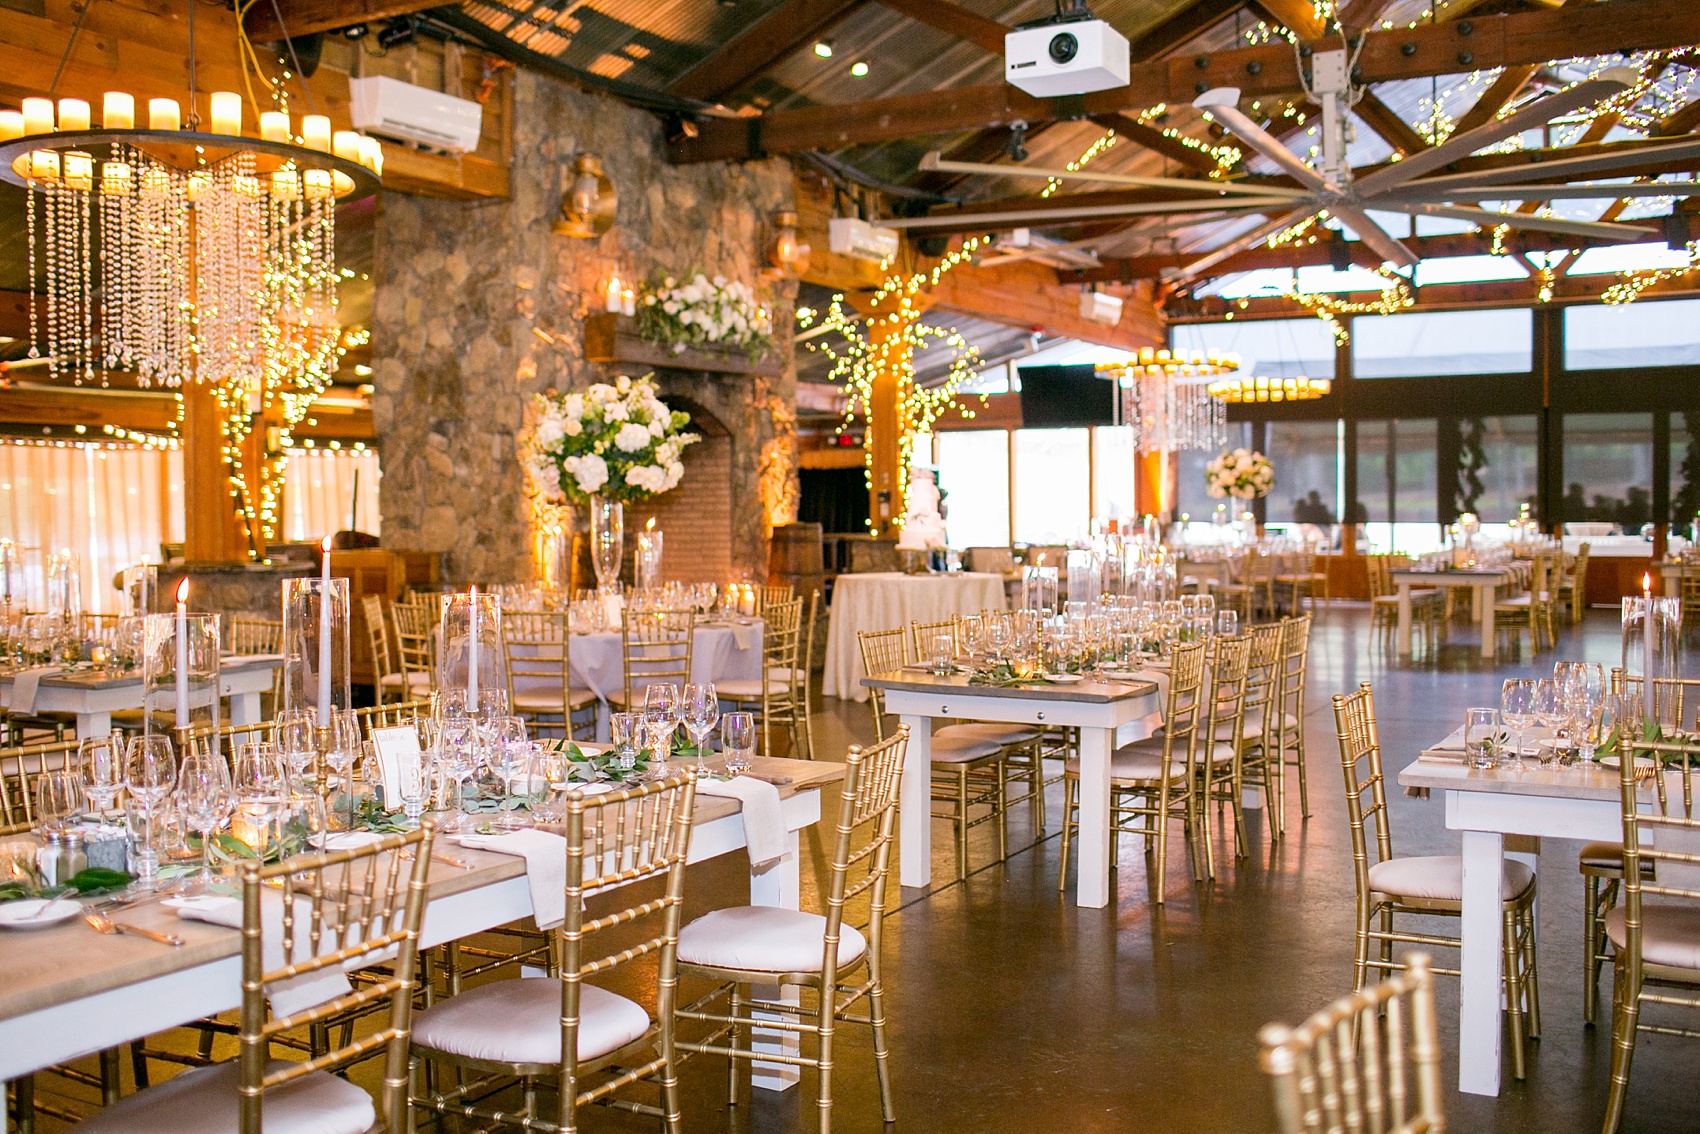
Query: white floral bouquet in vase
617 441
705 312
1242 474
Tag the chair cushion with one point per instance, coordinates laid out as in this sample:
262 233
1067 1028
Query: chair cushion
1441 878
549 701
519 1021
999 734
748 689
961 749
1601 856
784 674
203 1101
1141 760
412 681
1670 934
1253 728
765 939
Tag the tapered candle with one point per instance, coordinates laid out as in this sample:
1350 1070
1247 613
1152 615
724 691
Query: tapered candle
472 657
183 653
1647 703
325 634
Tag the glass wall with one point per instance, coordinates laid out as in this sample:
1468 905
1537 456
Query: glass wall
1272 348
1113 473
1643 333
1190 496
1306 457
1498 466
1608 468
1426 343
1397 465
974 476
1051 484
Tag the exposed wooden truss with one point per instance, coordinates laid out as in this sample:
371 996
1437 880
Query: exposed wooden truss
953 19
1436 297
754 49
304 17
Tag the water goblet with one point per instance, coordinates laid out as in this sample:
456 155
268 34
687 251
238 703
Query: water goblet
661 711
100 766
206 798
701 712
1517 710
297 740
738 741
150 776
58 798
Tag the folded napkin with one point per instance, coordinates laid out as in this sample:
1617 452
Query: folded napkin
743 635
545 868
764 826
289 996
347 840
24 686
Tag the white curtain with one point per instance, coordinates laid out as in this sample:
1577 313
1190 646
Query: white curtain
111 505
319 489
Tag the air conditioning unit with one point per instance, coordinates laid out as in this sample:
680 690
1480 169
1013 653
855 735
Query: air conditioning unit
849 236
394 109
1066 58
1098 307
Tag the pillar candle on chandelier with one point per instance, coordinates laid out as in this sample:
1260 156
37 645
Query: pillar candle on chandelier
73 114
118 110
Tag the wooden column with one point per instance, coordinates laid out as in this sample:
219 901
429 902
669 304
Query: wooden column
212 531
1151 479
891 351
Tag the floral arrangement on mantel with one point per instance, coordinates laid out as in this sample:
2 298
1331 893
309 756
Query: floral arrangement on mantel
704 312
1242 474
616 441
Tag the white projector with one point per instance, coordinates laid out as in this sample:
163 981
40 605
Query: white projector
850 236
1065 59
382 105
1099 307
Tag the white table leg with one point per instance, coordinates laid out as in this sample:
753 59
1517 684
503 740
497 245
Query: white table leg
1484 604
1404 620
244 708
93 724
1092 844
915 807
778 885
1481 965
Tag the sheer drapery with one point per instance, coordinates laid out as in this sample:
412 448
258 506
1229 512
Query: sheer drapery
112 505
319 488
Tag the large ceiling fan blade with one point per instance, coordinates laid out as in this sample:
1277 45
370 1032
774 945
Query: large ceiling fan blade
933 162
1560 192
1376 238
1221 104
1585 166
1487 218
1463 145
1052 218
1239 244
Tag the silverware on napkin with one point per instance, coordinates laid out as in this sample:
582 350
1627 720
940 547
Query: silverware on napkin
105 924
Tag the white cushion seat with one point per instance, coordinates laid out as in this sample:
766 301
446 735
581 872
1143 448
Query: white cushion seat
999 734
1521 602
961 749
1441 878
749 688
1670 934
548 701
1253 727
1134 762
408 681
765 939
1601 856
786 674
519 1021
203 1101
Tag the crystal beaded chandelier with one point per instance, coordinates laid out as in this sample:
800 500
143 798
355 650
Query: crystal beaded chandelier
1164 398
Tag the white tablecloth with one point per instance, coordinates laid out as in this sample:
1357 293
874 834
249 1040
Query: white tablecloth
718 653
888 600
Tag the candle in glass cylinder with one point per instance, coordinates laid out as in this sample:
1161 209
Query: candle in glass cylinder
1647 704
325 634
472 654
182 659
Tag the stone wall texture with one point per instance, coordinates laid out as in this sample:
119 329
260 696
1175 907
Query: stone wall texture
478 306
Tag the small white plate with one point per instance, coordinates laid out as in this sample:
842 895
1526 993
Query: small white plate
1615 762
1062 678
1121 674
37 913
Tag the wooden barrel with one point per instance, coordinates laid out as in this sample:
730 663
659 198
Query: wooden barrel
794 556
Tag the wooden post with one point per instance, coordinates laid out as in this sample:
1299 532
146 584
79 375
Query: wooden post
211 530
888 422
1151 474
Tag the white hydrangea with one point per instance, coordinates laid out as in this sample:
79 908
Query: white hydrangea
632 438
589 472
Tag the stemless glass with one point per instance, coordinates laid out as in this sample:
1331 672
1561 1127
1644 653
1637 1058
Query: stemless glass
58 799
204 794
150 775
1480 725
942 652
100 766
701 712
738 741
1227 623
1517 710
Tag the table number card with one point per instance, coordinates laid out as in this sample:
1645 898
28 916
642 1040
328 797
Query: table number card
398 761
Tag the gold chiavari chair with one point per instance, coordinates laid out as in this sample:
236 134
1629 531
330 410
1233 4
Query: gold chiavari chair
1688 589
1289 725
1345 1068
1156 780
538 649
773 695
1657 943
389 716
414 643
1390 888
1222 763
19 767
563 1026
1531 610
801 675
773 595
655 647
837 958
966 770
338 909
1259 740
251 636
223 739
1250 588
392 684
1571 587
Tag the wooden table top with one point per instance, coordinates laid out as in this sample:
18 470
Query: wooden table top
1088 690
70 961
91 678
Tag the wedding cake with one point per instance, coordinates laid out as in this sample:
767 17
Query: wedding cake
923 525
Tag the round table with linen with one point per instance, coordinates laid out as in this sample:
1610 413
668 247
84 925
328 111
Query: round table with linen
888 600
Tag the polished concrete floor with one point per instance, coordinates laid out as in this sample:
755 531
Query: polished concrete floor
1012 1010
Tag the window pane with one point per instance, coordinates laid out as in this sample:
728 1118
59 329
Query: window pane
1632 334
1396 471
1272 348
1608 468
1499 466
1684 470
1113 477
1442 342
974 478
1305 455
1190 496
1051 480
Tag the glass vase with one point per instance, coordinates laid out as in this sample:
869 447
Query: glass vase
180 673
1652 640
470 660
316 665
607 538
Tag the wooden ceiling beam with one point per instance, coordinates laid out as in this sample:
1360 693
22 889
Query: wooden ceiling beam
1496 98
953 20
1182 27
1027 294
36 404
1297 16
1682 122
1154 139
1435 297
1390 125
1522 39
759 46
304 17
1361 15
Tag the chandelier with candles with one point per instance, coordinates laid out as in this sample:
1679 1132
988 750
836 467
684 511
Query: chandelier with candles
1165 398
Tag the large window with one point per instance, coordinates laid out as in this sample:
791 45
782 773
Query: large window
1306 457
974 475
1608 468
1113 473
1270 348
1684 470
1396 471
327 491
1190 496
1427 343
1644 333
1498 466
1051 481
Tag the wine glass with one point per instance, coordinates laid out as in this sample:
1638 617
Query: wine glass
100 766
297 741
504 756
1517 710
701 712
492 703
58 798
205 795
1480 725
661 717
738 741
1227 623
457 755
150 775
343 751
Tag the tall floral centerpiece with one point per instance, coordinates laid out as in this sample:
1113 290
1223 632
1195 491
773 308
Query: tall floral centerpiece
1242 474
704 312
600 449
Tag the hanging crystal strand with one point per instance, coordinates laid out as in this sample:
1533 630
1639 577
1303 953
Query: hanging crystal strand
35 262
84 203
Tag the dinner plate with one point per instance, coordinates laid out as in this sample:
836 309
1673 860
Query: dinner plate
37 913
1062 678
1615 762
1121 674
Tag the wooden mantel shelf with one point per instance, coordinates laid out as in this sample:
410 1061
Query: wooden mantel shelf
614 339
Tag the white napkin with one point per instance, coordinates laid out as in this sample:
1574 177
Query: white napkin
742 635
290 996
347 840
545 869
764 826
1159 678
24 686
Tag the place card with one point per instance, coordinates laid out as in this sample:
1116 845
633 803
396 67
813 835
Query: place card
398 761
